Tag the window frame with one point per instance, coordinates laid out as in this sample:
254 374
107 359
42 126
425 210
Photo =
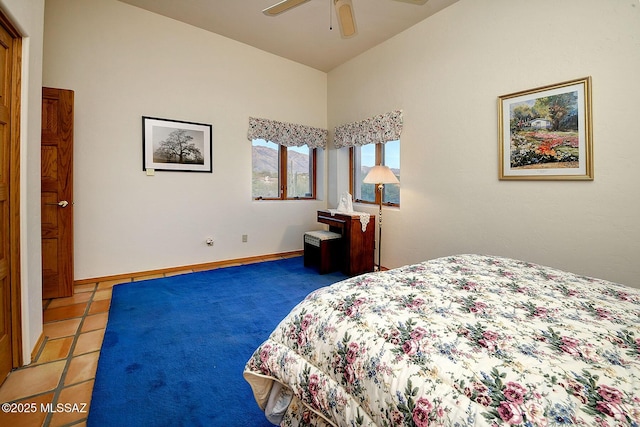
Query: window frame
282 175
379 160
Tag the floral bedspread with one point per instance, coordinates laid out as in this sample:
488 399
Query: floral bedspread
464 340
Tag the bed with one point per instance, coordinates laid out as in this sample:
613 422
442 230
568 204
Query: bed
465 340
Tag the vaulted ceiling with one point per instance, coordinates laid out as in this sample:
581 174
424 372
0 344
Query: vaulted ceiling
307 34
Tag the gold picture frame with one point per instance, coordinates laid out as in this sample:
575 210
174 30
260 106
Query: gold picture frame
546 133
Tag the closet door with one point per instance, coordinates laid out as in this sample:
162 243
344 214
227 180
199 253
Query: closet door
57 193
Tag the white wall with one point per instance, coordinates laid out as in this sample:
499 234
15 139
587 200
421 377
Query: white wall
446 73
123 63
27 16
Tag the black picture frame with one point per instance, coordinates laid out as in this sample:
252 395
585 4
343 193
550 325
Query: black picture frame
176 145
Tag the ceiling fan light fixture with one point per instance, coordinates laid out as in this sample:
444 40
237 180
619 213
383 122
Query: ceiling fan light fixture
346 17
282 6
418 2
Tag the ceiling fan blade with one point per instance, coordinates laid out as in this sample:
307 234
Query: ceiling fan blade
282 6
418 2
346 17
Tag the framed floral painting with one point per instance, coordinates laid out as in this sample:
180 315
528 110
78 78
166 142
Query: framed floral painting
545 133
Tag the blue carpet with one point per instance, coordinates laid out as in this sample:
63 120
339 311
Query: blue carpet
175 348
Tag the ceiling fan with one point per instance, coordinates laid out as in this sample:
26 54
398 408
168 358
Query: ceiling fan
344 11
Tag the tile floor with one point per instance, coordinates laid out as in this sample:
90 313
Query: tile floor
55 389
64 369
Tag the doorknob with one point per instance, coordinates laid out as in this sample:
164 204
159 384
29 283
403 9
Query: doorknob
61 203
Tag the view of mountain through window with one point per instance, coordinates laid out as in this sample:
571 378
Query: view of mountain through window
367 156
271 162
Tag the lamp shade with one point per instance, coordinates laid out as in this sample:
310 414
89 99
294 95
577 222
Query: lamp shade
380 174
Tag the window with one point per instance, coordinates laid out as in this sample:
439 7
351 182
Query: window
281 173
363 158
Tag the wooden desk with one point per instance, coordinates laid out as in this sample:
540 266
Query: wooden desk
357 245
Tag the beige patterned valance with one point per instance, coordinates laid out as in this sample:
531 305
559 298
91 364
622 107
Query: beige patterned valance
375 130
287 134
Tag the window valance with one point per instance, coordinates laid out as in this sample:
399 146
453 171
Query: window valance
375 130
287 134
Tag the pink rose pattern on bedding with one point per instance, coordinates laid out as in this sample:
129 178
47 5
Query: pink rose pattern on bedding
459 341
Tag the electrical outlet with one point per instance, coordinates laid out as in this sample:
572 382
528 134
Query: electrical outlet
245 238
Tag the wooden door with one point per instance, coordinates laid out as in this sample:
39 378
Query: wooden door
10 329
57 193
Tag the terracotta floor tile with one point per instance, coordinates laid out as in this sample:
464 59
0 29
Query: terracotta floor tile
29 419
102 294
150 276
96 321
79 398
82 368
88 342
99 306
31 381
66 312
177 273
62 328
87 287
55 349
108 284
75 299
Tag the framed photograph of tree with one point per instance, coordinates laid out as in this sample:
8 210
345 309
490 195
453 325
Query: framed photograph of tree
545 133
174 145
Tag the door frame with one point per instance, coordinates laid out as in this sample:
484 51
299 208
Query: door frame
14 193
